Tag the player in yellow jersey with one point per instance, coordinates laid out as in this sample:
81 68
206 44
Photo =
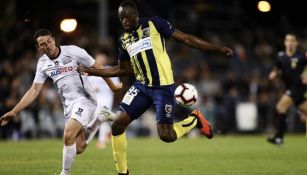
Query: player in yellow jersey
142 51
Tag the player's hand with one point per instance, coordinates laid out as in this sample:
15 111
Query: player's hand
227 51
83 70
273 75
117 87
7 117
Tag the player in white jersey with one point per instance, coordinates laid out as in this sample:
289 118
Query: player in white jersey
78 98
104 98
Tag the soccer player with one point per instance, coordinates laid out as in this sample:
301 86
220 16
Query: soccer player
290 66
142 51
78 98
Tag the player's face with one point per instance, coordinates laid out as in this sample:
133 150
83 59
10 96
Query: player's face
128 18
46 44
290 42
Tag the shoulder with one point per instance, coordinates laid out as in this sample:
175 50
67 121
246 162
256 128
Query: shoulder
156 19
42 61
70 48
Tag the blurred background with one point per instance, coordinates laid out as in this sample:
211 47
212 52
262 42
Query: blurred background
235 93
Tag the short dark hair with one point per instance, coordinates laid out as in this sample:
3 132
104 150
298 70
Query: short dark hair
41 32
129 3
292 33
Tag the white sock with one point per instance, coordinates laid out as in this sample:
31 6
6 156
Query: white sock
69 152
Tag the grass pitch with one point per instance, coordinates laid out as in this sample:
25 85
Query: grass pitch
223 155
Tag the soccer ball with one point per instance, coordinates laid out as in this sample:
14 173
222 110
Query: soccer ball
186 95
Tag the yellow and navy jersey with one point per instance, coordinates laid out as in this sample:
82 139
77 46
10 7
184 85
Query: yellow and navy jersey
145 47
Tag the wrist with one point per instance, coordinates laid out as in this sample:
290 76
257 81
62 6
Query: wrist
14 111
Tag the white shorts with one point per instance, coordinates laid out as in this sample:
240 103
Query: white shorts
83 111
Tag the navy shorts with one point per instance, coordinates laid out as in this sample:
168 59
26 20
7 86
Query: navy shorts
140 97
297 95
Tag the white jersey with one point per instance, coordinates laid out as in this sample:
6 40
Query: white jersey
72 87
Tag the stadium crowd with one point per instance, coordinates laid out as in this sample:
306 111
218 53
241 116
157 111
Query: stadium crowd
222 83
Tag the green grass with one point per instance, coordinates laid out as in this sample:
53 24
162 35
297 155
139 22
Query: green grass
229 155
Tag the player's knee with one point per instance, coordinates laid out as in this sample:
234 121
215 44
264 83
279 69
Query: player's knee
68 137
167 136
281 109
117 128
81 148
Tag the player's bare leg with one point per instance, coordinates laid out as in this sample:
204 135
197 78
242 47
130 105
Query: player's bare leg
71 131
303 116
282 108
81 142
171 132
303 107
86 134
119 142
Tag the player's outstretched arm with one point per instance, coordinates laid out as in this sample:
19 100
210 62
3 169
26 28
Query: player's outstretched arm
25 101
111 84
199 43
120 70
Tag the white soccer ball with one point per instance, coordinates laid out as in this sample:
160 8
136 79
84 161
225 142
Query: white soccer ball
186 95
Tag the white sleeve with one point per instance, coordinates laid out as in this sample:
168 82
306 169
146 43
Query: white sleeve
40 76
83 57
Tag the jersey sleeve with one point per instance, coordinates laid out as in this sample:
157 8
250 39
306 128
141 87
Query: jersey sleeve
40 76
163 26
122 53
82 56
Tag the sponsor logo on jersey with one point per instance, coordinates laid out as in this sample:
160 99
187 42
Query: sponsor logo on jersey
61 70
141 45
67 60
146 32
294 62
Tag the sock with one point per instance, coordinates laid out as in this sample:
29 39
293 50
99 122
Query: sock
69 152
119 145
185 126
280 125
91 129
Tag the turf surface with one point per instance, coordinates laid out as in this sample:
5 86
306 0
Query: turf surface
224 155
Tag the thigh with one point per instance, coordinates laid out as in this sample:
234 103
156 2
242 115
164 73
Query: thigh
72 128
284 103
164 102
303 107
135 102
83 112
